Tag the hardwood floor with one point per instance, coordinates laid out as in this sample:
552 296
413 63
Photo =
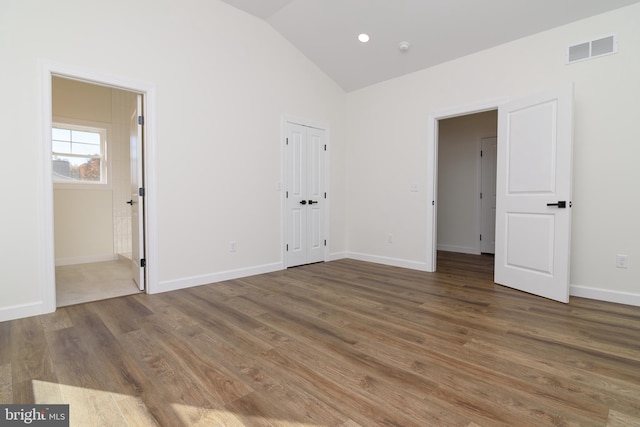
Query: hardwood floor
344 343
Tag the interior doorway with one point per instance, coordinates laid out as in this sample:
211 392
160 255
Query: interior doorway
92 176
464 162
533 217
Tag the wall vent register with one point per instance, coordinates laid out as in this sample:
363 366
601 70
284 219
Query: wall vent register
592 49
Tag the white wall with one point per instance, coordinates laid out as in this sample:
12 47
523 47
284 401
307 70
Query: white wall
458 177
222 78
388 136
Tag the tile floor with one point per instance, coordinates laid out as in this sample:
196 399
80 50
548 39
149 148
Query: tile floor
80 283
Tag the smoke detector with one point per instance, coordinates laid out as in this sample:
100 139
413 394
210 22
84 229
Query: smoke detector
403 46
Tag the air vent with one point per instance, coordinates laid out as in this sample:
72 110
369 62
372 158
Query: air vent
592 49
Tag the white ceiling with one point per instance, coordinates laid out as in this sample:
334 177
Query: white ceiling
438 30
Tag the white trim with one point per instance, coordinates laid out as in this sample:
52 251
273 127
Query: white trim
189 282
432 165
45 188
395 262
337 255
23 310
286 118
459 249
86 259
600 294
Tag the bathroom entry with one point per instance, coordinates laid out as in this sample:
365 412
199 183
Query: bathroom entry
94 212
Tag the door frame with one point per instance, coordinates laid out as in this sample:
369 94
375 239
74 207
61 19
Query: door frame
481 201
280 186
48 69
432 165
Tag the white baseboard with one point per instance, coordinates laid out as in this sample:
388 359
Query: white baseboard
608 295
22 310
336 256
86 259
459 249
395 262
188 282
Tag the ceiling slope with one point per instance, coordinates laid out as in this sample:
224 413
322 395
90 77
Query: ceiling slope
438 30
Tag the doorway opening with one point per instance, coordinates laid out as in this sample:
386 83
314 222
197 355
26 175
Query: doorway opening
92 176
533 224
466 183
93 157
454 146
145 92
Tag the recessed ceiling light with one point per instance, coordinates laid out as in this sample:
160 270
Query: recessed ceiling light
363 37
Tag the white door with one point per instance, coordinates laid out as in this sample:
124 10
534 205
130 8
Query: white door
533 214
488 154
137 199
304 195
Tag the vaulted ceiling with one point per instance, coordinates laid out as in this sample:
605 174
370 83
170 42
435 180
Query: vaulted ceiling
437 31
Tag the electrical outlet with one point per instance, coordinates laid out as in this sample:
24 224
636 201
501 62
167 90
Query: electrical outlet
622 261
233 246
389 238
413 187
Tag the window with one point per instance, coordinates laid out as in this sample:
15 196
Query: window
78 154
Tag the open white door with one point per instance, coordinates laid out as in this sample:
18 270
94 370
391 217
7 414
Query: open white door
533 207
305 200
137 196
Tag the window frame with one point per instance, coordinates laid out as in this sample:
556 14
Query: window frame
104 129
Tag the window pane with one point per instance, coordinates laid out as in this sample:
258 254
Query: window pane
87 137
87 149
78 153
61 169
76 169
61 134
60 147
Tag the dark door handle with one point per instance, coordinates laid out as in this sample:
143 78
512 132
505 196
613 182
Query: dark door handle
303 202
561 204
311 202
130 202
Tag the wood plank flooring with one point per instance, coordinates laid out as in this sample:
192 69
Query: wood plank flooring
343 343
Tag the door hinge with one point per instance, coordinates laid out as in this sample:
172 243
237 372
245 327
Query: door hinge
287 141
433 203
481 237
480 153
480 196
325 242
287 195
140 120
143 263
325 194
287 248
325 147
141 191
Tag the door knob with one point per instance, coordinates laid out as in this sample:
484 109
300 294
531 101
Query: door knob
311 202
561 204
303 202
130 202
